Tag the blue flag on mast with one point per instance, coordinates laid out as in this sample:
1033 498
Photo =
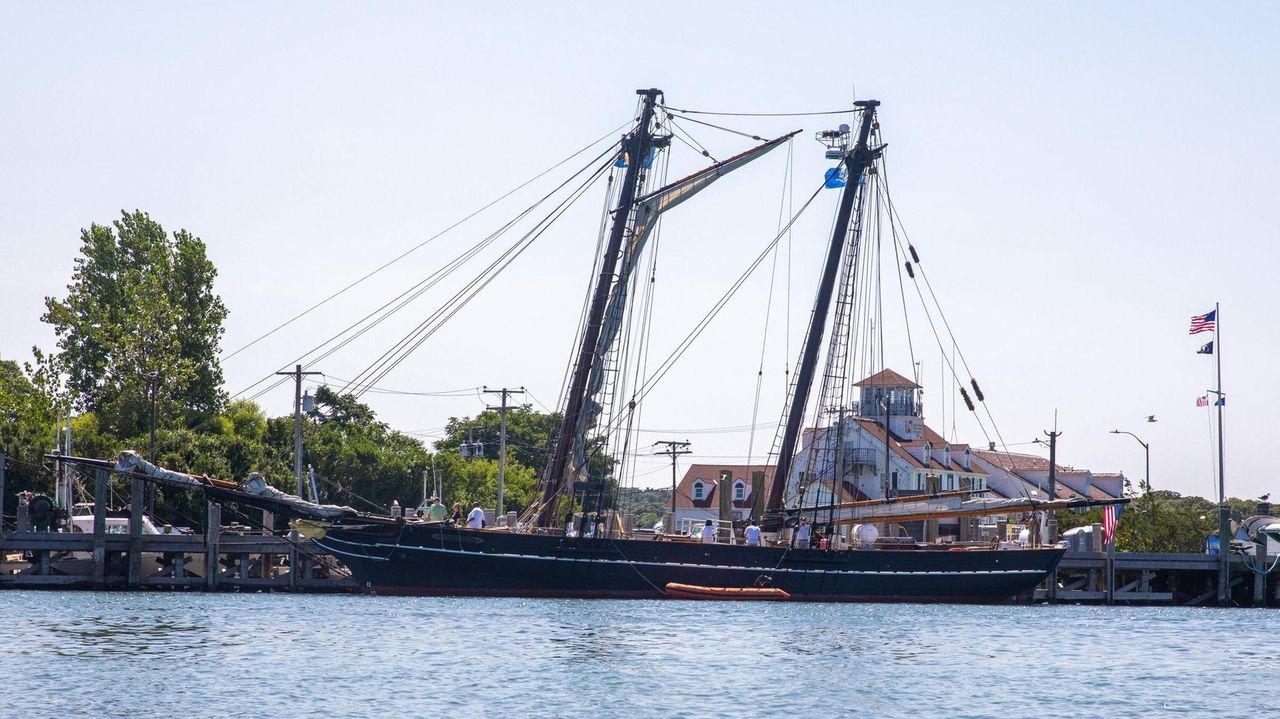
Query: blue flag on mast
1205 349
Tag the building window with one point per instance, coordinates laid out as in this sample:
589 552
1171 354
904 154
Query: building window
699 490
894 477
739 490
951 482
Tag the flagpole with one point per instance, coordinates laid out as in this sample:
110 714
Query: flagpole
1224 514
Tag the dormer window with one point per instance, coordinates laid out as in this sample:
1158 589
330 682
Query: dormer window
928 453
699 490
739 490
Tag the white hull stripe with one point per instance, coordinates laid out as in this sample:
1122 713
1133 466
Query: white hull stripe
399 547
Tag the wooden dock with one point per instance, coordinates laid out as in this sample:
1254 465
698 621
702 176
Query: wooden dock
215 560
1149 578
116 561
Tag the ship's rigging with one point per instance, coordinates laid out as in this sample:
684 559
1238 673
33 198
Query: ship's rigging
612 374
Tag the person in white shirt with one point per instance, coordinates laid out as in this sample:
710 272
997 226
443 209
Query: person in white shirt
802 534
475 520
752 533
708 533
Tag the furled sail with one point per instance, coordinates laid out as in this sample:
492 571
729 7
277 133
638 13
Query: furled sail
647 211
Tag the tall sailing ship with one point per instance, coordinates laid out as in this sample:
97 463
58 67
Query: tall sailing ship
559 549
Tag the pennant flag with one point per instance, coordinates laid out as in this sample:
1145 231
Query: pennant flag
1110 517
1222 401
1206 349
1204 322
1202 400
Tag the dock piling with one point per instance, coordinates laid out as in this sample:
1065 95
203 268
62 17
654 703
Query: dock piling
212 534
136 494
1260 579
100 499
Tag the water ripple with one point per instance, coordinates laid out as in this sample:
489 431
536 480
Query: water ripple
239 655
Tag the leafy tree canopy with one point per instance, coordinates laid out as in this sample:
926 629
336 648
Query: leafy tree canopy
27 419
140 322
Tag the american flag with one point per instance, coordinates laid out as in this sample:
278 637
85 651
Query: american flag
1203 323
1110 516
1202 401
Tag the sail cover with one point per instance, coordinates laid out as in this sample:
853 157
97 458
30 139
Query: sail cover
655 203
647 211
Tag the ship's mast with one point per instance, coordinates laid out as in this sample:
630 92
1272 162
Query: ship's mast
635 147
857 160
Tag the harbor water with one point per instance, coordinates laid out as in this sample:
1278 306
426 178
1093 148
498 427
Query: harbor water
164 655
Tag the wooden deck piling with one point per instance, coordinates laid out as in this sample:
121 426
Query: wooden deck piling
100 500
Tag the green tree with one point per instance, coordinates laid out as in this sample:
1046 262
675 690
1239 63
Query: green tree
476 480
27 419
529 434
359 460
530 438
140 324
1160 521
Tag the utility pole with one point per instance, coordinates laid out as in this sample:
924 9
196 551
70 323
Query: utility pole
1051 520
502 441
297 374
673 449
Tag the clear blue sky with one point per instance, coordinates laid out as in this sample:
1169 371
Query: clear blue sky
1081 178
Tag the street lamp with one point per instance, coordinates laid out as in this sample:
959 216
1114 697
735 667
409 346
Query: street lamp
1146 448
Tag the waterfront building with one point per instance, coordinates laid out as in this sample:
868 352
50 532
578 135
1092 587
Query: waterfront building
846 460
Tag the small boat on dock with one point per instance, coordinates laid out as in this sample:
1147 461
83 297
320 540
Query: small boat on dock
676 590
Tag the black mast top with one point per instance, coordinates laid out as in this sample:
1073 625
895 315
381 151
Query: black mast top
857 160
636 147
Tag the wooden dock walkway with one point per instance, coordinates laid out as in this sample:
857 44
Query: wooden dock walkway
1150 578
176 561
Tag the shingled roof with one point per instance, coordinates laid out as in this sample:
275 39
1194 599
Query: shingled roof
887 378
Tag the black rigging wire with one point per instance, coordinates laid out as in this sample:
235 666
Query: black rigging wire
390 359
650 382
413 292
788 180
726 129
848 111
420 245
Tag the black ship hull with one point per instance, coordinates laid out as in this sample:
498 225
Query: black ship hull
436 559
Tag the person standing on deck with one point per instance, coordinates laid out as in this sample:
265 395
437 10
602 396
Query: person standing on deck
752 533
457 513
437 511
708 533
802 534
475 520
